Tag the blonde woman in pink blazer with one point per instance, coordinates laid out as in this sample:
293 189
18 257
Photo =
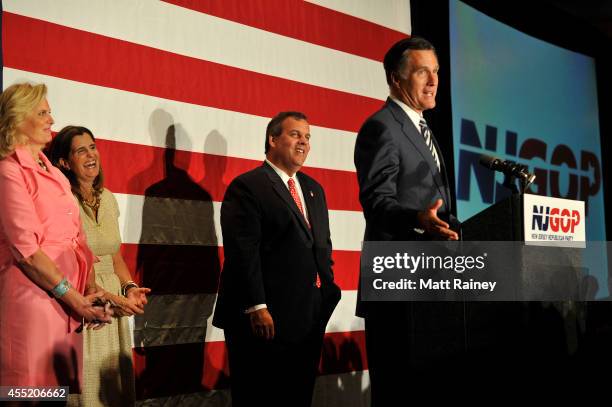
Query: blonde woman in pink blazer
45 263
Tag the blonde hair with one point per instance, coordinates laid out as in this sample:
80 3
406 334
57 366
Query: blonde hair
16 102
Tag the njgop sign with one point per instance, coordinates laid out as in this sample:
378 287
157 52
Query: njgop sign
553 221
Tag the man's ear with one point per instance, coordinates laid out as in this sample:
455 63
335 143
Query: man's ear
395 79
272 141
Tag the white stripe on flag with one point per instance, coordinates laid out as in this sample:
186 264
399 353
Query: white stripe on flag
118 115
185 32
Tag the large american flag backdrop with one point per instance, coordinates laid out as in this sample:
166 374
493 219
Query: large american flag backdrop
178 94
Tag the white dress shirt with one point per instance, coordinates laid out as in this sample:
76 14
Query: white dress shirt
414 117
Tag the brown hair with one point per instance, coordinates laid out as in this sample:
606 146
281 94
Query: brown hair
61 147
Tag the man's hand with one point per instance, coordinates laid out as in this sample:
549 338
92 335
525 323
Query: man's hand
262 324
434 226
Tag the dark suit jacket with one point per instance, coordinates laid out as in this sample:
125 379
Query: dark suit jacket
272 256
397 178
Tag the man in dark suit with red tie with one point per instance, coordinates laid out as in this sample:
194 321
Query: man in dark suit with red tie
277 288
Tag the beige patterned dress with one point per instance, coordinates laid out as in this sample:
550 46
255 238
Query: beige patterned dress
108 375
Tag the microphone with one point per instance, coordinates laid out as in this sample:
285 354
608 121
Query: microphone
509 168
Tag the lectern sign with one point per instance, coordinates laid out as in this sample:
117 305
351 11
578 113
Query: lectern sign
553 221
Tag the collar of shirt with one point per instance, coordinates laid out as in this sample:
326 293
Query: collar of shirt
283 175
414 117
24 157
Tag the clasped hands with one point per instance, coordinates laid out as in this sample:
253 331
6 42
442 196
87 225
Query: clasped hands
102 305
132 304
95 311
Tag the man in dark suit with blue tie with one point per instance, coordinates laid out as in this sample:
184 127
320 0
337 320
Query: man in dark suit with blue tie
405 195
277 288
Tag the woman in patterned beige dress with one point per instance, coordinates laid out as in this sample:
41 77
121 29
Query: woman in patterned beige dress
108 375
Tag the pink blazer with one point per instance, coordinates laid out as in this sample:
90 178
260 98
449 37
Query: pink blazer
38 211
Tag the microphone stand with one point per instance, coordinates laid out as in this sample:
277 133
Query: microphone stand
510 183
510 179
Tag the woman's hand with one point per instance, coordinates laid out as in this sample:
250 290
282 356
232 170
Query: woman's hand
85 306
108 310
91 289
125 307
138 297
135 301
132 304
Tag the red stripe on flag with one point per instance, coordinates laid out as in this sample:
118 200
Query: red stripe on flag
346 268
189 368
304 21
200 176
95 59
343 352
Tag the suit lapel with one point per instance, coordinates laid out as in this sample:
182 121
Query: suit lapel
419 143
283 192
443 173
309 200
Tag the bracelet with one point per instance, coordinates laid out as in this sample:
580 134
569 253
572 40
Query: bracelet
126 287
61 288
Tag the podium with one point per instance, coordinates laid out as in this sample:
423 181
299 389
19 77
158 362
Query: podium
499 222
549 233
542 328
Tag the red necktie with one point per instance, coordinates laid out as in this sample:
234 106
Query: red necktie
298 202
296 198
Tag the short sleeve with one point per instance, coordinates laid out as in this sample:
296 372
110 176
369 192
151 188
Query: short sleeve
112 202
19 219
114 209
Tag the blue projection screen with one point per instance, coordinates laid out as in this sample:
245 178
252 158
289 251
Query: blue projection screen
522 99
